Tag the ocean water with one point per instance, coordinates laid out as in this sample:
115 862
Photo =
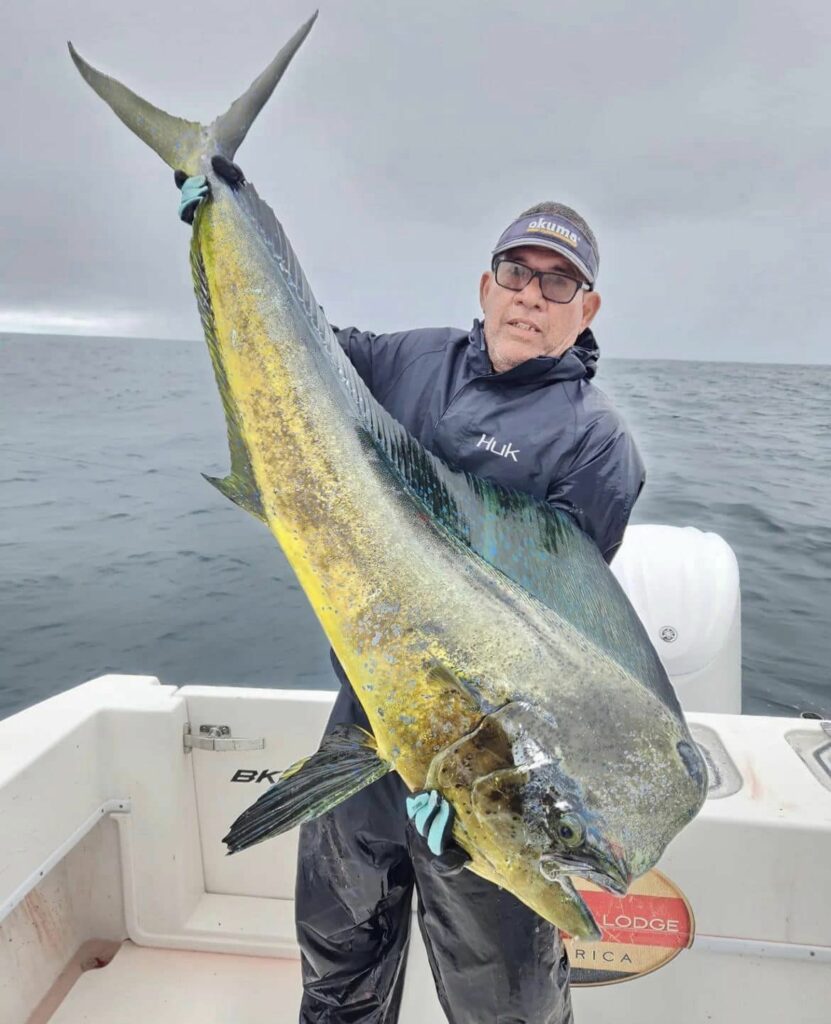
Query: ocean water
115 554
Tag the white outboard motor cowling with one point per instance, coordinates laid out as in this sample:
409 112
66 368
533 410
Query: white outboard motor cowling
684 585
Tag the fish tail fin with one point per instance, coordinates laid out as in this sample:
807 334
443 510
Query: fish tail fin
183 144
346 762
232 126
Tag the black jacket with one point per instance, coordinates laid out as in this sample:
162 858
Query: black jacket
541 427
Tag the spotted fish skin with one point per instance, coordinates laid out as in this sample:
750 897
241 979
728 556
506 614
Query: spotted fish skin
520 684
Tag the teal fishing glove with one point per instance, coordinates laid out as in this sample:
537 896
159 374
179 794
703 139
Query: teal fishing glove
430 813
197 188
432 817
194 190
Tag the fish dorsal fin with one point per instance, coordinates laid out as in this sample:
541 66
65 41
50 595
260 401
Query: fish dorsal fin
537 546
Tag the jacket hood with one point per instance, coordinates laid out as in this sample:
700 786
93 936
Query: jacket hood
587 351
578 362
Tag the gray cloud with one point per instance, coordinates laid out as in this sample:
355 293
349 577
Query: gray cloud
695 138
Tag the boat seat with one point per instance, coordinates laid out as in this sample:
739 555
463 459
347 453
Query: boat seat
684 585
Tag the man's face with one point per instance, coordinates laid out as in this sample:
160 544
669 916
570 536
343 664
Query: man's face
523 325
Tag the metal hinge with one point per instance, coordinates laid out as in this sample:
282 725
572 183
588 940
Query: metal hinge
218 737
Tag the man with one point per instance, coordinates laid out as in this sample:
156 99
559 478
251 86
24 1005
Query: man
510 400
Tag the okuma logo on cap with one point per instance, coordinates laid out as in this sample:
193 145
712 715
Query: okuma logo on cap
551 227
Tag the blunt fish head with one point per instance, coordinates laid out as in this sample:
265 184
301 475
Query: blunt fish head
536 803
603 799
559 833
542 803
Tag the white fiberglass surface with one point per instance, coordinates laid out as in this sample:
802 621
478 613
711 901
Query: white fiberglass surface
170 986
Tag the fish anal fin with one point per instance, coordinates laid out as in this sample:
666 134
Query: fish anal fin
242 492
346 762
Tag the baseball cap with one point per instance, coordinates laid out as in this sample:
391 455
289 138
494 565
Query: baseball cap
552 231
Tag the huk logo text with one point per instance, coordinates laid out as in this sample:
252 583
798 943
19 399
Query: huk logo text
507 451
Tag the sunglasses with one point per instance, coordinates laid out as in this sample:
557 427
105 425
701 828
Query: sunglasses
554 286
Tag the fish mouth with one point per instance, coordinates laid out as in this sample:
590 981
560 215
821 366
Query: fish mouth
613 878
610 871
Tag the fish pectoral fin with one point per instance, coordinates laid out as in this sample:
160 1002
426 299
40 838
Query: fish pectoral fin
241 491
346 762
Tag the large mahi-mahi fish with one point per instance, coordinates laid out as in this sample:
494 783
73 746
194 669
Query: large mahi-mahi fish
496 657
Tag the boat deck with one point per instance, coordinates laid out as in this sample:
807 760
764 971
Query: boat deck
165 986
115 862
170 986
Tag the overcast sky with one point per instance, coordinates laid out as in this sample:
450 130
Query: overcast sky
695 138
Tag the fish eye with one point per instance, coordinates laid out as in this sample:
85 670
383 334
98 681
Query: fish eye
693 762
570 831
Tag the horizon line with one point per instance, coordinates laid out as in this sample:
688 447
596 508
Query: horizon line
196 339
